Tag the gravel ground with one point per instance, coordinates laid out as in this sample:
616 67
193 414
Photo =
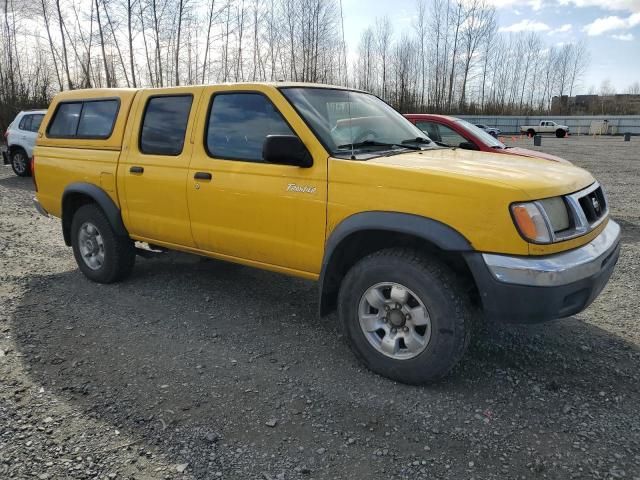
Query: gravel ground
198 369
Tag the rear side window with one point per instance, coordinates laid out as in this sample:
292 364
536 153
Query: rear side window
30 123
88 119
97 119
25 123
165 124
239 124
36 121
65 121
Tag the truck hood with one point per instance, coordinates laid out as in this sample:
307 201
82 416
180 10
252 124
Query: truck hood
525 152
535 177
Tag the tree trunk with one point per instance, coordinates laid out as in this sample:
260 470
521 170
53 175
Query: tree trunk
180 12
64 45
51 47
104 54
130 37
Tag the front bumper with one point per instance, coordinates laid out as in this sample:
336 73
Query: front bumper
535 289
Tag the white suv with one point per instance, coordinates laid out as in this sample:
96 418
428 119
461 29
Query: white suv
21 138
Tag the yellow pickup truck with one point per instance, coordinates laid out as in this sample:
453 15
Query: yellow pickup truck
408 240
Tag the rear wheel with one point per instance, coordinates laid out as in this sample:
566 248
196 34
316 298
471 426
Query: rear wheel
531 132
560 133
101 254
20 163
404 315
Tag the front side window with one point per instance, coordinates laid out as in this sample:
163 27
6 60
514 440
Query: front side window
349 121
164 125
450 136
239 123
430 128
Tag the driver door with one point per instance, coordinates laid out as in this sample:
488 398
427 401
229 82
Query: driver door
242 208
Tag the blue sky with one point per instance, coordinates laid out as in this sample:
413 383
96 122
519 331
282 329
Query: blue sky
611 29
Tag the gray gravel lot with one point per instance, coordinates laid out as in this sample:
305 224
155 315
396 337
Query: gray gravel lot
199 369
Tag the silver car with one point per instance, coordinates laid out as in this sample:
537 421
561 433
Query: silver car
493 131
21 138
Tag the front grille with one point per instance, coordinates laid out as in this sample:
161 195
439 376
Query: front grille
587 209
593 205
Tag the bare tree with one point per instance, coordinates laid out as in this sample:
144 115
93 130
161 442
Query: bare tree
383 33
421 32
207 45
480 20
129 7
578 65
54 54
64 44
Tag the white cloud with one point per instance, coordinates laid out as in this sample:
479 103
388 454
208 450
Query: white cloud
526 26
618 5
631 6
531 4
611 23
566 28
625 37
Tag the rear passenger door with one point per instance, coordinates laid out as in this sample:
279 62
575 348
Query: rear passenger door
29 126
152 173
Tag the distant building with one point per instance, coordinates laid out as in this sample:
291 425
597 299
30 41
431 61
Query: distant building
620 104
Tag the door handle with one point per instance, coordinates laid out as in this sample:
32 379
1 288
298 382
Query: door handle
136 169
203 176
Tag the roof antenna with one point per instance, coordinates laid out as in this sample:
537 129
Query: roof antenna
353 157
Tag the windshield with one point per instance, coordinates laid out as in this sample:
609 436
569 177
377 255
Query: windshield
483 135
345 119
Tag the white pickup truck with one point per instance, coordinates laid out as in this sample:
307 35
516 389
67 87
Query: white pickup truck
545 126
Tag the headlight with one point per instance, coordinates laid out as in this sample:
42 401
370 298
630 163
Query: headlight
558 219
531 222
540 221
557 214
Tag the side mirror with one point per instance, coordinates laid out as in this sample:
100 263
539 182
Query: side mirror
286 150
468 146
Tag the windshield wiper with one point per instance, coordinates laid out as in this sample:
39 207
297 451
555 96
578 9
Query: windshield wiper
373 143
422 140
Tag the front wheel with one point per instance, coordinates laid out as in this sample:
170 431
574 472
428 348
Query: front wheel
404 315
101 254
20 163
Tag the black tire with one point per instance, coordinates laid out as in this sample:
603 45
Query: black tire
560 133
20 162
436 287
531 132
118 252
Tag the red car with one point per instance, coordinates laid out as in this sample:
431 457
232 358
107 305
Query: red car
456 132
